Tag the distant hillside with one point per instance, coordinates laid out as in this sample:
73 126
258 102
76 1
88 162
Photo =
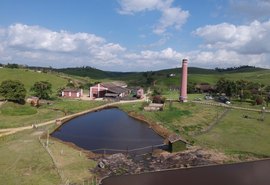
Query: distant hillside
29 77
93 73
162 77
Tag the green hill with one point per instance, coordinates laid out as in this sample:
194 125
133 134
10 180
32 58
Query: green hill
29 77
93 73
162 77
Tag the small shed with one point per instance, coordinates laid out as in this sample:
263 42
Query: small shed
177 143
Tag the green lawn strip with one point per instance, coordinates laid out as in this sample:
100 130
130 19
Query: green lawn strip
13 109
15 115
24 161
174 95
238 135
73 164
71 106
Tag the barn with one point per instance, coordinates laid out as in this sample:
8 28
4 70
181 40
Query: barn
72 93
108 90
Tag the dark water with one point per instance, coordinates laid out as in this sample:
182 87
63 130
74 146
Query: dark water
110 129
250 173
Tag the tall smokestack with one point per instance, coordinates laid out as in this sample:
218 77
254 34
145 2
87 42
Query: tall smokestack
183 93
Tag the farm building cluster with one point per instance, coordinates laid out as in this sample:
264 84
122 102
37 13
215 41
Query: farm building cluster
107 90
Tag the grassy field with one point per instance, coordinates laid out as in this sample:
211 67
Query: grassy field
73 164
211 78
175 95
23 161
15 115
29 77
235 134
71 106
184 118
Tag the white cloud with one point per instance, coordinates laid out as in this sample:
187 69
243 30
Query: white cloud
225 58
35 37
37 46
170 16
227 45
244 39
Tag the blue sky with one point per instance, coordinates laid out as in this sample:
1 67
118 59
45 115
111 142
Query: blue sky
135 35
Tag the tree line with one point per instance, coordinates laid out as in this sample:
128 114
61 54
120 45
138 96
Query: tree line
244 90
234 68
14 90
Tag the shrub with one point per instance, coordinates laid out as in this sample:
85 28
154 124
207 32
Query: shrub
159 99
259 100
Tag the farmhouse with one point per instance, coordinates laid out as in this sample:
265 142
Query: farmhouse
109 90
72 93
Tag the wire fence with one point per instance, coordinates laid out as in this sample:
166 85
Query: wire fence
131 151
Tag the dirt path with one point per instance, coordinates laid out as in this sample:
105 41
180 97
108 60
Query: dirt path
230 106
8 131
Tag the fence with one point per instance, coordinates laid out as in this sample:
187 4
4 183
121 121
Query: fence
133 151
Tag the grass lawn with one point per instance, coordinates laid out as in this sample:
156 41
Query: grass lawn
71 106
237 135
175 95
185 118
74 165
23 161
14 115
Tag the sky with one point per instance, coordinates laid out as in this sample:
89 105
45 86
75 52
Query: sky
135 35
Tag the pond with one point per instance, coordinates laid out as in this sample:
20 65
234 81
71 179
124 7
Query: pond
110 129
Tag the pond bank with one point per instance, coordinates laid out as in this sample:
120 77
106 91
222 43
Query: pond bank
120 164
247 173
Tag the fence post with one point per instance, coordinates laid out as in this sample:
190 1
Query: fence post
47 142
127 151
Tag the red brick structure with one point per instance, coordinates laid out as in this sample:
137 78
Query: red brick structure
72 93
183 92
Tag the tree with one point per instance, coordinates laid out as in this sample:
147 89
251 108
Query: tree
12 66
226 86
42 89
13 90
241 87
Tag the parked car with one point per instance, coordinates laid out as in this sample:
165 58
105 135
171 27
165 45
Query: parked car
208 97
224 99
